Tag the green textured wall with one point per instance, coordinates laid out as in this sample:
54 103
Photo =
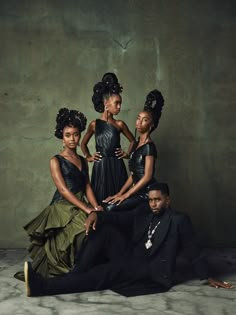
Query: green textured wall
52 53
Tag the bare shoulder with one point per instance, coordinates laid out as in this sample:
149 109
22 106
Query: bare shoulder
121 124
92 125
54 161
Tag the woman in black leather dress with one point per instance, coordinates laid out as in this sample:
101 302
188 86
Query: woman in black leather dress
109 172
58 231
142 159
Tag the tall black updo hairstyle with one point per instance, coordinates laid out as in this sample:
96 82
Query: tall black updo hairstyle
104 89
69 118
153 104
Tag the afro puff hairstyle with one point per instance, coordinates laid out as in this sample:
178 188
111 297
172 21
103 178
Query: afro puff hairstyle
70 118
107 87
153 104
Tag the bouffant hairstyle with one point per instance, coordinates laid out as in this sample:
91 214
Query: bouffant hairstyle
153 104
104 89
69 118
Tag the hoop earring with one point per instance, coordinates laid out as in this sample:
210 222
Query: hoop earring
150 130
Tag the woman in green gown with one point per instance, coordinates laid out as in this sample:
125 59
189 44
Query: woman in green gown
58 231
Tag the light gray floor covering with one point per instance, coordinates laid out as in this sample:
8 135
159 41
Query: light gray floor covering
189 298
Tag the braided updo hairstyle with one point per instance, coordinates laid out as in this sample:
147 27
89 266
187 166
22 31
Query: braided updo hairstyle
153 104
104 89
69 118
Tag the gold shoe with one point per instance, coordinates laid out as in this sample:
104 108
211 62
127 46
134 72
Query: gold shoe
26 276
33 281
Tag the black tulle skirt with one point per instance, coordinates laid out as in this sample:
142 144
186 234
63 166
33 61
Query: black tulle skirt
108 176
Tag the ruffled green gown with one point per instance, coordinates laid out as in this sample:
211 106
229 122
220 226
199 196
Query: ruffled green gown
58 231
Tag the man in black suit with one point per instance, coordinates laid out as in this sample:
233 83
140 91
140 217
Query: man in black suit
139 261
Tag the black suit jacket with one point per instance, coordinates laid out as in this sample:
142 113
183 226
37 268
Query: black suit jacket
174 235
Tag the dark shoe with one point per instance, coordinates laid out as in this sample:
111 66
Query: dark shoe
33 281
19 275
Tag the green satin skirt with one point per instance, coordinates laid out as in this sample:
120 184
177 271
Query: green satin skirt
56 234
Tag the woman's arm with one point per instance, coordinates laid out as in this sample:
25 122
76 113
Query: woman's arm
91 197
126 132
124 188
90 194
148 172
62 188
89 133
126 185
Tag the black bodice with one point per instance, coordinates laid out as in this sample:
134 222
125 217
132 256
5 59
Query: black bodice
137 161
74 178
107 138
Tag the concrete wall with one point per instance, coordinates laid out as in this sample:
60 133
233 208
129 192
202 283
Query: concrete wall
52 53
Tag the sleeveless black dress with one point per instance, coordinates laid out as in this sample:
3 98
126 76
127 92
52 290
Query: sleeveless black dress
74 178
137 168
57 233
109 174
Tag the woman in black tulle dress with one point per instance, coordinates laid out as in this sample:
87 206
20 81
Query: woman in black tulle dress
142 159
109 172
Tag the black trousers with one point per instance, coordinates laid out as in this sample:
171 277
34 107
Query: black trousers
120 266
104 244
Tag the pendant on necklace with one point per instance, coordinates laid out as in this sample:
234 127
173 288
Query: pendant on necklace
148 244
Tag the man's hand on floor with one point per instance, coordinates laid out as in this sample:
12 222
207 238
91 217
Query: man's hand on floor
219 284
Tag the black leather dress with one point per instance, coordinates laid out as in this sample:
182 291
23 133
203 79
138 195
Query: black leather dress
109 174
137 169
74 178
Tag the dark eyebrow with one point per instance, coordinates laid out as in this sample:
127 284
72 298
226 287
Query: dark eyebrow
143 117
